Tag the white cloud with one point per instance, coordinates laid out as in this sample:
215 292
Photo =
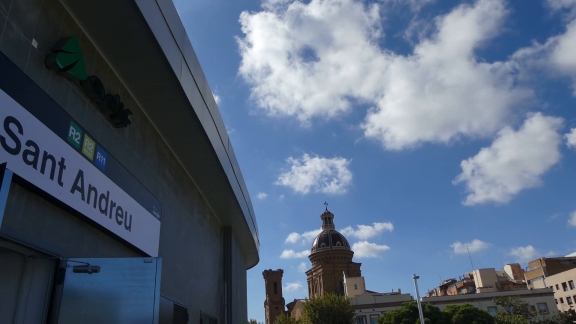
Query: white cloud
310 60
262 195
515 161
298 58
525 253
303 238
281 197
561 4
302 267
290 254
572 219
414 4
217 98
317 174
364 249
366 231
571 138
474 246
556 55
292 286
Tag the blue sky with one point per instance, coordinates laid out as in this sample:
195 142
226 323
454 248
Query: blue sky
426 125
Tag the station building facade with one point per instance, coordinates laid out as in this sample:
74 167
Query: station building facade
121 199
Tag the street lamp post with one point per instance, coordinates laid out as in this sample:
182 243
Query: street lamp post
415 277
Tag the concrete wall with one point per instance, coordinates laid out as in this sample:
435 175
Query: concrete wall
191 236
239 282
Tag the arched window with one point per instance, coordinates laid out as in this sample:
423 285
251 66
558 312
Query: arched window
275 288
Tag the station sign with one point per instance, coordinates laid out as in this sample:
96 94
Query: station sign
67 171
55 154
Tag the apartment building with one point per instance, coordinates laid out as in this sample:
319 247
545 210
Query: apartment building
543 268
563 285
515 272
482 281
490 280
464 285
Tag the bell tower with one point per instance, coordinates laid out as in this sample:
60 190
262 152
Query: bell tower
274 303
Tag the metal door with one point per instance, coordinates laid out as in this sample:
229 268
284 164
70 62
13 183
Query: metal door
122 290
25 284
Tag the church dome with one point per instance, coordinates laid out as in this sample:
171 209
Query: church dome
330 239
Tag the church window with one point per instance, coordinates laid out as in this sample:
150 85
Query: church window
323 245
275 288
338 243
356 286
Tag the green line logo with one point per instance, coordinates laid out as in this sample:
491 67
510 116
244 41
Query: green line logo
74 135
67 60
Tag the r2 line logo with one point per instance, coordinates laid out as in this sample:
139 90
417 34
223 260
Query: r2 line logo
88 147
74 135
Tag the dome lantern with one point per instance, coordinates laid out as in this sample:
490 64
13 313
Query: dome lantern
327 219
329 239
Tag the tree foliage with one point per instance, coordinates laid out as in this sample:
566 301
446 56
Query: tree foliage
253 321
513 310
284 318
466 314
328 309
568 317
408 314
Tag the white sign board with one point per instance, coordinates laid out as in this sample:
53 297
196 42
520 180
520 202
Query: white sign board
39 156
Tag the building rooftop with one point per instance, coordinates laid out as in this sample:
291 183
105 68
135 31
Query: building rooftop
491 295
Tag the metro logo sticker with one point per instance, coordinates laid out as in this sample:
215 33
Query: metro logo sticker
67 59
88 147
74 135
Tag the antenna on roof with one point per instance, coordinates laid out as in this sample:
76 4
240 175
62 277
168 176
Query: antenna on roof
470 257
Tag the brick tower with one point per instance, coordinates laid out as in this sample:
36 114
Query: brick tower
274 303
